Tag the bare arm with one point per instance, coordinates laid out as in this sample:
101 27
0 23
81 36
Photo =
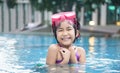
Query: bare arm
73 58
82 56
52 55
66 55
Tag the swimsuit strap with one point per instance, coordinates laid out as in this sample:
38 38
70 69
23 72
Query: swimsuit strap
59 45
58 61
77 56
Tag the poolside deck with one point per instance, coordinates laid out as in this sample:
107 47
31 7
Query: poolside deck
102 30
106 31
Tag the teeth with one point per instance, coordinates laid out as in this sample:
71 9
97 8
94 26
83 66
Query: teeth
65 38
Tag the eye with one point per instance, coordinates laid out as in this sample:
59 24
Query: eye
59 30
69 29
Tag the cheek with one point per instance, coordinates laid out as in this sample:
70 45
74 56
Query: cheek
58 34
73 32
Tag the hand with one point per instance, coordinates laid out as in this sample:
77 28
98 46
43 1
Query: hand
73 58
65 54
71 48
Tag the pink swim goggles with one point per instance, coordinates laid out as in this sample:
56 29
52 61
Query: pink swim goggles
59 17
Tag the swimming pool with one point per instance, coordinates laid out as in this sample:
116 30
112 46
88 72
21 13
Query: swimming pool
27 54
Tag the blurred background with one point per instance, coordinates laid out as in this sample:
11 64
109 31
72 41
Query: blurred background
21 53
94 15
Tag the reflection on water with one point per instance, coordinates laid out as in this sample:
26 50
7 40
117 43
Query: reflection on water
21 54
91 45
97 60
8 58
72 68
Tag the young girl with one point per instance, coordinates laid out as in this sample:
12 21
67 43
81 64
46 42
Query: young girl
66 30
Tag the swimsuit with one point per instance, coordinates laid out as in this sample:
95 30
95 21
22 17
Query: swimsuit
77 56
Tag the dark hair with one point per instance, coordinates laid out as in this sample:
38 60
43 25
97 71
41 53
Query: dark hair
76 26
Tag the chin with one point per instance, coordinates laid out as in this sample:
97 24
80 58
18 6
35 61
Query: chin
66 44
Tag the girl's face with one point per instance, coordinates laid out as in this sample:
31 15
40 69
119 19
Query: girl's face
65 34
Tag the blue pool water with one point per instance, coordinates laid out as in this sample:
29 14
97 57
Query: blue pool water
27 54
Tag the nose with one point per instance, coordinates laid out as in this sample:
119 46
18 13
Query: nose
65 32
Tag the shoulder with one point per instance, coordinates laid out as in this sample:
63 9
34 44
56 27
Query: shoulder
81 49
53 47
52 54
82 53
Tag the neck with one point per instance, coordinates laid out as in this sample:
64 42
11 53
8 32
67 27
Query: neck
64 46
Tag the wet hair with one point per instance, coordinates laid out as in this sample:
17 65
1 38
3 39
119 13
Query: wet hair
76 27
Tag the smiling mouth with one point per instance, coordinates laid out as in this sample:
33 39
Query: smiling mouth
66 38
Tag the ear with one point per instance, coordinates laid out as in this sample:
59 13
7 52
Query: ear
77 33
